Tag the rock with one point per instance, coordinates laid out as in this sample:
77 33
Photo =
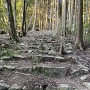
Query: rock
4 86
47 57
24 88
43 58
18 56
37 58
84 77
87 85
52 52
15 87
1 61
69 52
22 44
1 68
5 45
50 70
32 88
6 57
59 58
43 47
38 88
11 68
69 46
71 59
25 69
79 72
30 51
61 87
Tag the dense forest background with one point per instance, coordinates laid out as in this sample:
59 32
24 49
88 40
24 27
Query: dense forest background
45 15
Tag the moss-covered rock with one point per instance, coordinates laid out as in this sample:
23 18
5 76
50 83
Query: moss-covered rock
50 71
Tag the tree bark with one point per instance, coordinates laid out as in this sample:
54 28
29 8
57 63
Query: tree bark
64 17
24 19
15 13
35 15
79 39
11 21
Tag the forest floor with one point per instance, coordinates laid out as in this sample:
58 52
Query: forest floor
35 63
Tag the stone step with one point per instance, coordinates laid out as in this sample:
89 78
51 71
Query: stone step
51 56
51 70
48 69
79 72
60 87
43 58
22 69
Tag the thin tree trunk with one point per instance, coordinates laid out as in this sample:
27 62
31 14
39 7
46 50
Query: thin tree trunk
71 3
24 19
64 17
15 13
30 20
35 15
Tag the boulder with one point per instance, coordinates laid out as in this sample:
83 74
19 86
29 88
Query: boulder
4 86
15 87
87 85
52 52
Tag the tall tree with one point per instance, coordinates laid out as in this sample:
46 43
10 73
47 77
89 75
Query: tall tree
15 12
64 17
79 39
35 15
70 12
11 21
24 19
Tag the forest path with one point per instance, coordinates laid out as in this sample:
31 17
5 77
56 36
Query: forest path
36 61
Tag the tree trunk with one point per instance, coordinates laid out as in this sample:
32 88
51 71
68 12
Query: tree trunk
11 21
35 15
64 17
71 3
15 13
79 39
24 19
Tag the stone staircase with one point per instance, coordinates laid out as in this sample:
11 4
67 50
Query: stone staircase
41 57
